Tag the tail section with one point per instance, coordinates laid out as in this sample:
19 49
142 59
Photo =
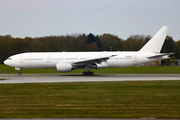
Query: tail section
156 42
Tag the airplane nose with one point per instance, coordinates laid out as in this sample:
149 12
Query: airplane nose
5 62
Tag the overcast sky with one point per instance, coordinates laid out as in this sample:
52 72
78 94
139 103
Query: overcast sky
37 18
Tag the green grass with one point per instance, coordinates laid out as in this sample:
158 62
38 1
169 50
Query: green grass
140 99
130 70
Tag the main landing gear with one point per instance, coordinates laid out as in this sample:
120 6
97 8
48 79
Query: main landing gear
88 69
88 73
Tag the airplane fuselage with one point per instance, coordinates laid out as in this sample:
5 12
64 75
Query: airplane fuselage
35 60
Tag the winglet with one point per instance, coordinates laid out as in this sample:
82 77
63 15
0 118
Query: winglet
155 44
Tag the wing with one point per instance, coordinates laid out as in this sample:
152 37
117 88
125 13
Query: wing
92 61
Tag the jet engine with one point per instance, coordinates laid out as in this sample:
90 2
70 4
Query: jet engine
64 67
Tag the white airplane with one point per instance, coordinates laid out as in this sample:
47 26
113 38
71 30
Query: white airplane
68 61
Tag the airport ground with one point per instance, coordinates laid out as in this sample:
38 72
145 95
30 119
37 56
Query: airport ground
100 96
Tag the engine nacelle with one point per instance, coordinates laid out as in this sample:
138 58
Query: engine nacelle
64 67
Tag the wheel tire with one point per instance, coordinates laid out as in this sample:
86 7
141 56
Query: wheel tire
89 73
19 73
84 73
92 73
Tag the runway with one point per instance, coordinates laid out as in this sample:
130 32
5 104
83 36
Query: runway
87 119
49 78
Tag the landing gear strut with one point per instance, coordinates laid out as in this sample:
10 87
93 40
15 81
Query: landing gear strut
19 71
88 73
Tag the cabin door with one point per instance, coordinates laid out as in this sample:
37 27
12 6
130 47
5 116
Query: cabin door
135 60
21 59
48 59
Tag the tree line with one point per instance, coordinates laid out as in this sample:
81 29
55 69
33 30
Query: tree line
79 42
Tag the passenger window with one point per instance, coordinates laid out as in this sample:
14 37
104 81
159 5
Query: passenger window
9 58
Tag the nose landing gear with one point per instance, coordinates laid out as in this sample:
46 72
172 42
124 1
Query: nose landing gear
19 71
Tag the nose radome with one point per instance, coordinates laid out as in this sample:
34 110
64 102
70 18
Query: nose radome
5 62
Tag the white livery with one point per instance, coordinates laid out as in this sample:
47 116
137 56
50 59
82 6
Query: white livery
68 61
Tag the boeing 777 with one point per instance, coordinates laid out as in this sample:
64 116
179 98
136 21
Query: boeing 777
68 61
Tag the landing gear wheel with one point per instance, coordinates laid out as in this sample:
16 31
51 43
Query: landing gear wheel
84 73
19 73
91 73
88 73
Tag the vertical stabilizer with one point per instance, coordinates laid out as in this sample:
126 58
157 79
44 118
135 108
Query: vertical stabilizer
156 42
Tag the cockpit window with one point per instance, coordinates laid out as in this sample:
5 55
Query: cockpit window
9 58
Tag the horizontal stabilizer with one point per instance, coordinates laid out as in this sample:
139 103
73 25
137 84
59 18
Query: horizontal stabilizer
160 55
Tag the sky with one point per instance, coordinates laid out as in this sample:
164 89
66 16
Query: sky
38 18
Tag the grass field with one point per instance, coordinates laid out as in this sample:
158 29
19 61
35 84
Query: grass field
130 70
145 99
